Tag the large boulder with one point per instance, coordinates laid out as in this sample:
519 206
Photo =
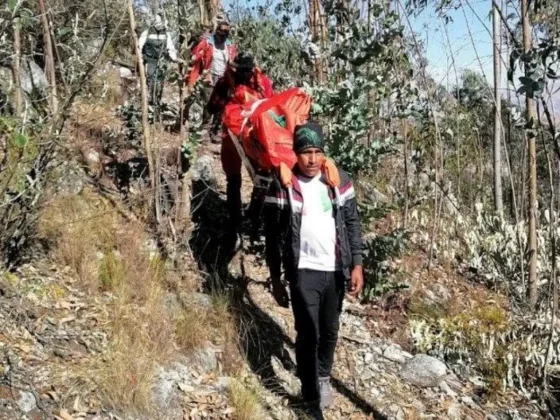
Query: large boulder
423 371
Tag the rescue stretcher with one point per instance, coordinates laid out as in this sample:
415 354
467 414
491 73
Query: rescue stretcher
261 179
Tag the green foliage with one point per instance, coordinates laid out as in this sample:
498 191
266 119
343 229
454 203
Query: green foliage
367 71
477 338
379 251
131 116
20 140
495 247
111 271
349 114
540 65
277 53
370 211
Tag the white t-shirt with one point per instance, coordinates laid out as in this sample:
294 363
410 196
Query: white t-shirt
318 227
219 62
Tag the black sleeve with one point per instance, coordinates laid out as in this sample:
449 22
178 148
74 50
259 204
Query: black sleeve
218 97
354 229
275 219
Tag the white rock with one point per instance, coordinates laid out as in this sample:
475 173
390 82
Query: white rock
468 401
368 358
125 73
206 360
203 170
377 350
454 412
224 383
445 388
375 392
200 299
27 402
395 354
367 375
424 371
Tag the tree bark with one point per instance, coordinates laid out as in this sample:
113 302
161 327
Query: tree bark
18 99
144 97
203 12
531 148
315 25
49 58
497 41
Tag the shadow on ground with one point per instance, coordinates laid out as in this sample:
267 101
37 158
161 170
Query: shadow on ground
261 337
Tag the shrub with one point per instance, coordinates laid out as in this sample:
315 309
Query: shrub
244 401
379 251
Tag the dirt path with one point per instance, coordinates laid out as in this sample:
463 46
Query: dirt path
366 371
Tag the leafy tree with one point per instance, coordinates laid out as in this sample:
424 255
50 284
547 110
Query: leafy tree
276 52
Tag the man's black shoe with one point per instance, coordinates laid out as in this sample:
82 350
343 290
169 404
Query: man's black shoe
314 411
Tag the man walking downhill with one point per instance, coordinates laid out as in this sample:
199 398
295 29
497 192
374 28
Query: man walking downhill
243 82
211 57
313 229
157 48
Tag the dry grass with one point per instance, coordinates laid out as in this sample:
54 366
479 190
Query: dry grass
107 87
142 340
108 254
244 400
191 329
77 229
198 326
226 333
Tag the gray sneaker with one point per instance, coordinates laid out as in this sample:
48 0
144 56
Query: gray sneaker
325 392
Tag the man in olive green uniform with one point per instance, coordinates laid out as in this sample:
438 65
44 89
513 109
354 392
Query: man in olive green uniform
157 49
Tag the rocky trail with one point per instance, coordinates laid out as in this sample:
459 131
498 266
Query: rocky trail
50 327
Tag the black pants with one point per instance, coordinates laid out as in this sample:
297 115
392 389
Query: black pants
156 72
317 303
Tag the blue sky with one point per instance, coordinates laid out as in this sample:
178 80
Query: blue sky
464 52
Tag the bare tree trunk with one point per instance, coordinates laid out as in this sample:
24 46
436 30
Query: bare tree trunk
146 131
49 58
183 204
180 65
316 37
532 155
215 8
18 100
406 174
203 12
497 41
553 286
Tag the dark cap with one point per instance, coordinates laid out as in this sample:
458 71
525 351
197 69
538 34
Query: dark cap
308 135
244 60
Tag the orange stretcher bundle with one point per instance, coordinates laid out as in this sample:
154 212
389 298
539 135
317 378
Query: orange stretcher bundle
265 127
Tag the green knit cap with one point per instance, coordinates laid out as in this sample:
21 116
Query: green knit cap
308 135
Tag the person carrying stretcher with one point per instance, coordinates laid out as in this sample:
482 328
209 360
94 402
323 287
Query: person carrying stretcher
243 82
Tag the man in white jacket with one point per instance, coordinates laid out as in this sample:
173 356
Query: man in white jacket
157 49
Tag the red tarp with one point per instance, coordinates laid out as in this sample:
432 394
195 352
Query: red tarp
266 127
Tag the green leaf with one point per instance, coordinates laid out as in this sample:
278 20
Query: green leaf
20 140
64 31
12 5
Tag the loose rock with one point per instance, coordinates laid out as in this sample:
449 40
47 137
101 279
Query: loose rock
454 412
27 402
424 371
395 354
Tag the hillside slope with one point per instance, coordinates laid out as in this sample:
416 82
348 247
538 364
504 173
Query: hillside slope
102 325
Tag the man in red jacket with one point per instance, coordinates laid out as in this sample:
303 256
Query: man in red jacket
242 82
211 57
